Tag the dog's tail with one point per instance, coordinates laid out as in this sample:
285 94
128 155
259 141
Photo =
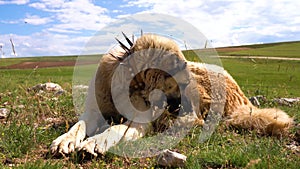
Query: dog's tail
268 121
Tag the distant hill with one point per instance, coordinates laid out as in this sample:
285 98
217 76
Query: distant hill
280 49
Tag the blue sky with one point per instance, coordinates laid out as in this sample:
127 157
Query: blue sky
63 27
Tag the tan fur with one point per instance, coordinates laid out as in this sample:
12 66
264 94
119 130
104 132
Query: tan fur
237 106
157 42
239 109
266 121
214 89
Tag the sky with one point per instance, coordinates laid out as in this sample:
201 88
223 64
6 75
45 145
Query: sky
65 27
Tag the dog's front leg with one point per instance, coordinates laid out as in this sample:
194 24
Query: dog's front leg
67 142
100 143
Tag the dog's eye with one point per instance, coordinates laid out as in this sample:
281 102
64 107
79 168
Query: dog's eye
176 61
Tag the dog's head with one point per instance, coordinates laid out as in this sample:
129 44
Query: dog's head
161 52
154 62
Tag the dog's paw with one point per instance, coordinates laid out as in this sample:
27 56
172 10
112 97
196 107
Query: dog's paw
93 146
68 142
88 145
99 144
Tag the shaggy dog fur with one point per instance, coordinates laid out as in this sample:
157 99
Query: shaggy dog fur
235 106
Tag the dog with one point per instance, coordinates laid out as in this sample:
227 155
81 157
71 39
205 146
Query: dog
151 87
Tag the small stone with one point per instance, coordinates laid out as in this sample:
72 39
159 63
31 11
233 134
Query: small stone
3 113
171 159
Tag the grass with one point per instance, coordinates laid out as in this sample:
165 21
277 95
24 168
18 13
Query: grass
13 79
11 61
272 78
36 120
286 49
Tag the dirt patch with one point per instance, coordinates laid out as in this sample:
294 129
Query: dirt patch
32 65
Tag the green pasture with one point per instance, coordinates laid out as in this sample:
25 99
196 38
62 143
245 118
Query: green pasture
11 61
283 49
271 78
35 120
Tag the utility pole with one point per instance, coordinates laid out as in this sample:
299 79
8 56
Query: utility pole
12 46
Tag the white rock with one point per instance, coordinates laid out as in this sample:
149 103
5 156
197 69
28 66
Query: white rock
53 87
3 113
287 101
49 87
80 87
171 159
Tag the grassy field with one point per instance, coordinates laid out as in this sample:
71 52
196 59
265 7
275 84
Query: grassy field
35 120
11 61
283 49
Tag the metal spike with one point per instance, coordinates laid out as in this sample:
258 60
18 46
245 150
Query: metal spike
132 37
123 46
205 46
127 39
117 57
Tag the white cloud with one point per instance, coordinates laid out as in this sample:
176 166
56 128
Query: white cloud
48 5
29 19
116 11
27 44
155 23
74 15
62 30
43 44
232 22
17 2
10 22
36 20
70 20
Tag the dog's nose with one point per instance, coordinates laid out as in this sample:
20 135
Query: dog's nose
183 65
